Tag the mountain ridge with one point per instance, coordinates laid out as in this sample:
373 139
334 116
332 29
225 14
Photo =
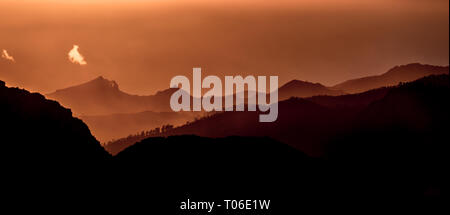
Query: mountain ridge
28 118
392 77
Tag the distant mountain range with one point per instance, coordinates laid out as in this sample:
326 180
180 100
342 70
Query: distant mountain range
103 97
393 77
46 150
111 113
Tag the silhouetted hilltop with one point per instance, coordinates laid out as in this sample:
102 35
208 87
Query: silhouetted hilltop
296 88
36 131
393 77
101 96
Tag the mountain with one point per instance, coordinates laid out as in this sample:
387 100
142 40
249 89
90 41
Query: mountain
302 89
393 77
101 96
353 101
40 132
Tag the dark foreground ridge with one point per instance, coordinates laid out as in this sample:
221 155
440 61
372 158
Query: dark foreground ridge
36 131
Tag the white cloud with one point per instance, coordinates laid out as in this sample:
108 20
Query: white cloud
6 56
75 56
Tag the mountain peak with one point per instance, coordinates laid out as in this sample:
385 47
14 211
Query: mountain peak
101 81
100 78
47 124
300 83
298 88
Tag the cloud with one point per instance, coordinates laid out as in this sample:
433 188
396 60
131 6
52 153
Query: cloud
6 56
75 56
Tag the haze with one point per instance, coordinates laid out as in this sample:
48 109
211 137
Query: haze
143 44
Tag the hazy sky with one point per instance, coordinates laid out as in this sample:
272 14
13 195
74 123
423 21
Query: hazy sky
143 44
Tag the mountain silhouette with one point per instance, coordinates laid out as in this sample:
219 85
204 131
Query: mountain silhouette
101 96
302 89
37 131
393 77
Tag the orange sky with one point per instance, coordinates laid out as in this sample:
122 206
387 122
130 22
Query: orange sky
143 44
